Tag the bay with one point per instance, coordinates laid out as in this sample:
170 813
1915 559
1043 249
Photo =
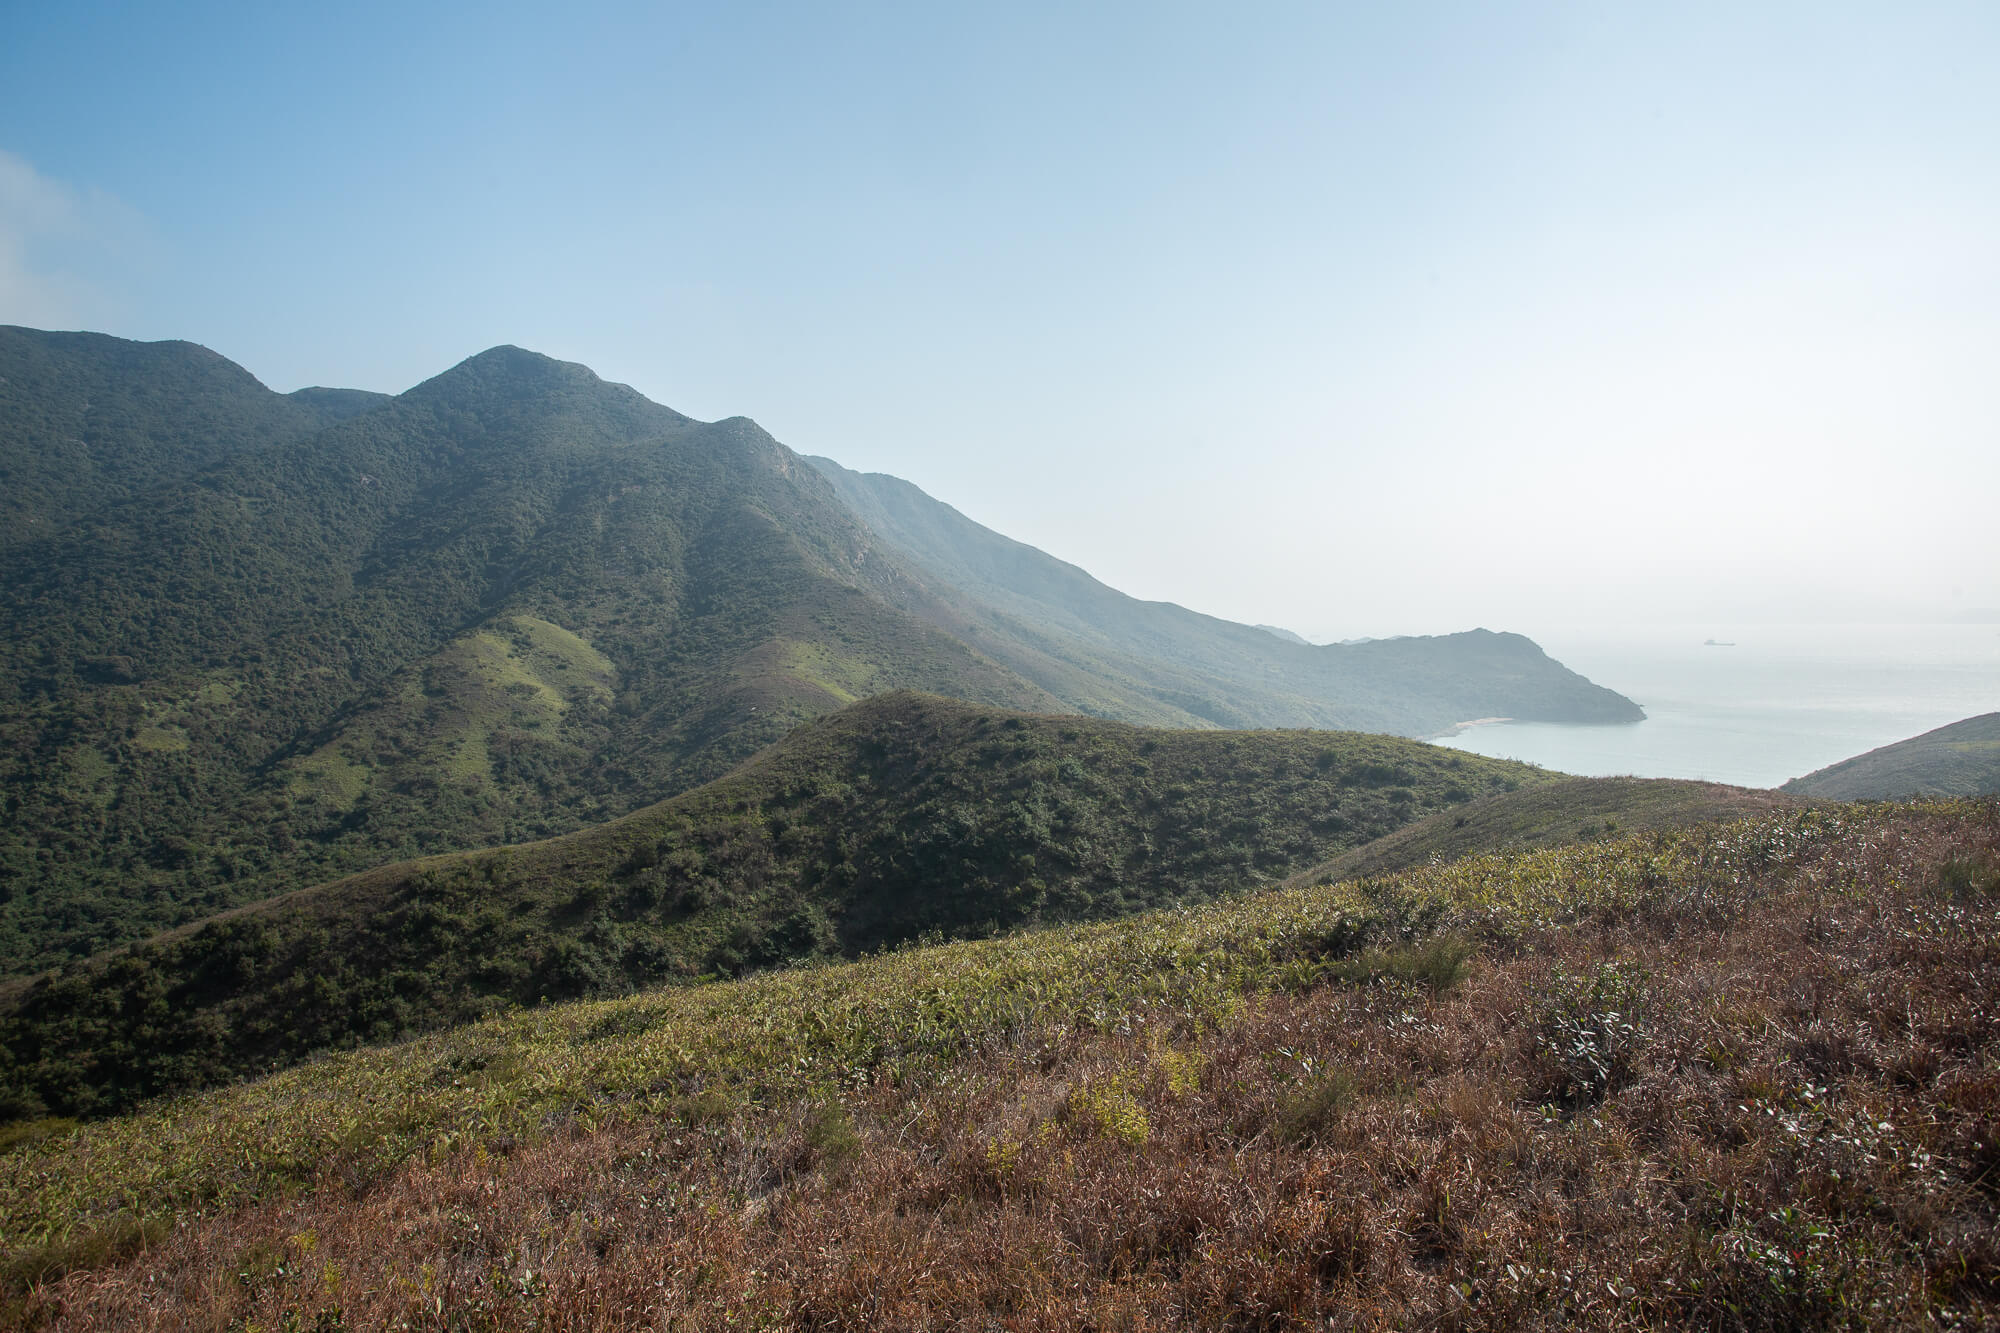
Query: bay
1753 705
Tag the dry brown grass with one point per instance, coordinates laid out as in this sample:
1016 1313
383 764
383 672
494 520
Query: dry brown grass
1778 1113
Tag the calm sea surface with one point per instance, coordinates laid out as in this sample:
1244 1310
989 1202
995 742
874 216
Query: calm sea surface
1780 702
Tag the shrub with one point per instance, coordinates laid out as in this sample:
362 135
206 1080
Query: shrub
1309 1112
1588 1029
1110 1108
830 1137
1966 877
1438 963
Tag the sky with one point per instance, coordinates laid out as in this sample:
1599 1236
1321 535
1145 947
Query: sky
1357 319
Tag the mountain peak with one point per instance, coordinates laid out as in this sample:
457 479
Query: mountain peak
509 374
507 365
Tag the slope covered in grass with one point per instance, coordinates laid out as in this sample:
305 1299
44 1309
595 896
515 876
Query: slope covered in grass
1549 815
905 815
1736 1076
1962 759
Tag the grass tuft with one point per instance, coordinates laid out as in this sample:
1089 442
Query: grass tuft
1311 1111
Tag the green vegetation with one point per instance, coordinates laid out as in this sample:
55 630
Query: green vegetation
1735 1075
258 640
91 420
899 817
1962 759
1108 654
1550 815
512 602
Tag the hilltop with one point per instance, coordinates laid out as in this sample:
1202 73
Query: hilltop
902 816
1729 1076
90 420
1961 759
1550 815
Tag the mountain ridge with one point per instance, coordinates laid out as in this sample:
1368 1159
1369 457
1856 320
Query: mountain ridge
366 601
340 630
1198 669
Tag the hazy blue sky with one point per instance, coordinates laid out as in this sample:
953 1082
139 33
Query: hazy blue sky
1360 319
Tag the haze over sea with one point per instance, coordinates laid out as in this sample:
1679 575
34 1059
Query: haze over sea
1777 702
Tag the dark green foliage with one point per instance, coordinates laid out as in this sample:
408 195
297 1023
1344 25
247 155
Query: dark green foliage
908 816
1587 1029
512 602
1437 963
1311 1110
1969 878
26 1133
86 420
830 1139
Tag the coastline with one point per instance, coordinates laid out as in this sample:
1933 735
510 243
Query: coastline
1460 728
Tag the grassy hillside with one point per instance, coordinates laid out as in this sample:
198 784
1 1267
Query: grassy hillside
1962 759
1739 1076
902 816
1549 815
509 603
1105 653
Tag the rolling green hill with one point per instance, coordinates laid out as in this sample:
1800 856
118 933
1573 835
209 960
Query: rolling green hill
513 601
1962 759
1549 815
1105 653
898 817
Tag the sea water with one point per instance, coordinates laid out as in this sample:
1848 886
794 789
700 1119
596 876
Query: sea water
1753 705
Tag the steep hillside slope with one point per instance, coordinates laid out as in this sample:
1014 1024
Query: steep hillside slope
1961 759
513 601
1103 652
1550 815
903 815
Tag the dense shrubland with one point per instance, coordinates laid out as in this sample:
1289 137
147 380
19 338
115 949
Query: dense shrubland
903 816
